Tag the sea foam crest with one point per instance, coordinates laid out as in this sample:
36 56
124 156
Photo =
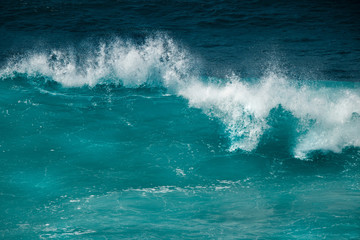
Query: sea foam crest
329 117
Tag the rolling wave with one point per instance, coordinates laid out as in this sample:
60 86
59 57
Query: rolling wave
328 113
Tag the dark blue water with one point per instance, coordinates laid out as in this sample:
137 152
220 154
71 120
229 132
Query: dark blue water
179 120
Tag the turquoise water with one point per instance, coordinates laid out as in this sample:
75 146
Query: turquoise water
136 121
119 156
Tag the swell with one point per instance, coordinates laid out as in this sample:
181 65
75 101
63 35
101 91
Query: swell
327 113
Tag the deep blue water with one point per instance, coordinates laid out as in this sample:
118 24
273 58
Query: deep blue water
179 120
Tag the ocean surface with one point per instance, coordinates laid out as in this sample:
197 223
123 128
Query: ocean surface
179 120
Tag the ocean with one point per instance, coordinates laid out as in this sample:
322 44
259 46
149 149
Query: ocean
179 119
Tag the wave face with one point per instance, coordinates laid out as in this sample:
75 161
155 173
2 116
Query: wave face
326 113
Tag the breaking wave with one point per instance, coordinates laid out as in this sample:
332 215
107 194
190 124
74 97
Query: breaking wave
328 113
